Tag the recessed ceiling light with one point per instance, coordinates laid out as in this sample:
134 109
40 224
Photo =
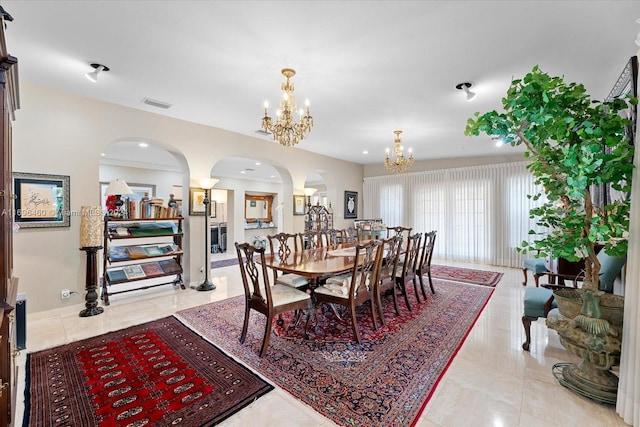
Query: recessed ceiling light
97 69
258 163
365 152
465 88
272 176
243 171
102 154
143 144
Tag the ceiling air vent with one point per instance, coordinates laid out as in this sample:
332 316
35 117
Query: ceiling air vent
155 103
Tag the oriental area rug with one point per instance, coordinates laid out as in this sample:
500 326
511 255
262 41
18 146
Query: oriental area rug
466 275
224 262
384 381
156 374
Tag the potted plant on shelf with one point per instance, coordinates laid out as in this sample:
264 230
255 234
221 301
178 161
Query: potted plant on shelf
575 145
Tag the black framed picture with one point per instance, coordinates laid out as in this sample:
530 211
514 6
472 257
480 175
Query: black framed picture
41 200
350 204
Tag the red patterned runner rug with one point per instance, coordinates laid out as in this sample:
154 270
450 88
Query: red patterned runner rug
159 373
467 275
385 381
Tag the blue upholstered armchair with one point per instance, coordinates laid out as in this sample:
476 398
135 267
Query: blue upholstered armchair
538 302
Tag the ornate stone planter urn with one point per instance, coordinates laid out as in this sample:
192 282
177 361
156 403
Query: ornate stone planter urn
589 326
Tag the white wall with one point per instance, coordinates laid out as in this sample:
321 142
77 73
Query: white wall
59 133
163 180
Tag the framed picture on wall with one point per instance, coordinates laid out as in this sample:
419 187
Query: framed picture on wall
196 202
298 205
350 204
41 200
196 198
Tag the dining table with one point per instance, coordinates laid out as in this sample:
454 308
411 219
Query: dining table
315 263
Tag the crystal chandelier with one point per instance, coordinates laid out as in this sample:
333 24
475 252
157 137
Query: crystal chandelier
286 130
400 164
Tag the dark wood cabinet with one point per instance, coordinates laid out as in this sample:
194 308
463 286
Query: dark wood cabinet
8 284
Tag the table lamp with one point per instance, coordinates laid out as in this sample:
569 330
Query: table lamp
117 188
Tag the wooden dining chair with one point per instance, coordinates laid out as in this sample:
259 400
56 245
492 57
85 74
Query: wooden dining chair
401 231
310 240
406 269
356 288
264 298
386 282
423 263
284 246
330 238
349 235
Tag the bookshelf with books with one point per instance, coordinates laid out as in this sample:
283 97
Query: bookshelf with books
141 253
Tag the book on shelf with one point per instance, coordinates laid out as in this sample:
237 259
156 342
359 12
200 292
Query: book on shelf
153 229
136 252
117 275
152 251
170 266
133 271
169 249
152 269
118 253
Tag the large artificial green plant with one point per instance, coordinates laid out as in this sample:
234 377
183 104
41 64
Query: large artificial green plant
575 144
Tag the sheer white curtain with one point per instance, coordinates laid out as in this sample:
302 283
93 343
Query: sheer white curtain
628 403
481 213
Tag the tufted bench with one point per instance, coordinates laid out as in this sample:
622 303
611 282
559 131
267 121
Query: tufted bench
537 267
538 302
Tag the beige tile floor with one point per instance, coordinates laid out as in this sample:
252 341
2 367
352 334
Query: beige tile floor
491 381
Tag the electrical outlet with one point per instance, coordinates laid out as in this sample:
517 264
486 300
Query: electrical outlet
65 293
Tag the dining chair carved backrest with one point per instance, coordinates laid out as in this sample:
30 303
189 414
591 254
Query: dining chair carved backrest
330 238
284 246
349 235
406 267
261 296
399 230
310 240
423 262
386 282
355 288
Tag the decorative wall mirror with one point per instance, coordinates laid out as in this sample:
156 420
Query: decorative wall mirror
257 208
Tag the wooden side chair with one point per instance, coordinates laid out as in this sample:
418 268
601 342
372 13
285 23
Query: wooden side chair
403 232
423 263
350 235
285 247
310 240
355 288
386 282
330 238
264 298
407 271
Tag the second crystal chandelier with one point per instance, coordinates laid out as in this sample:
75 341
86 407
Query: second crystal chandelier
286 130
400 163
